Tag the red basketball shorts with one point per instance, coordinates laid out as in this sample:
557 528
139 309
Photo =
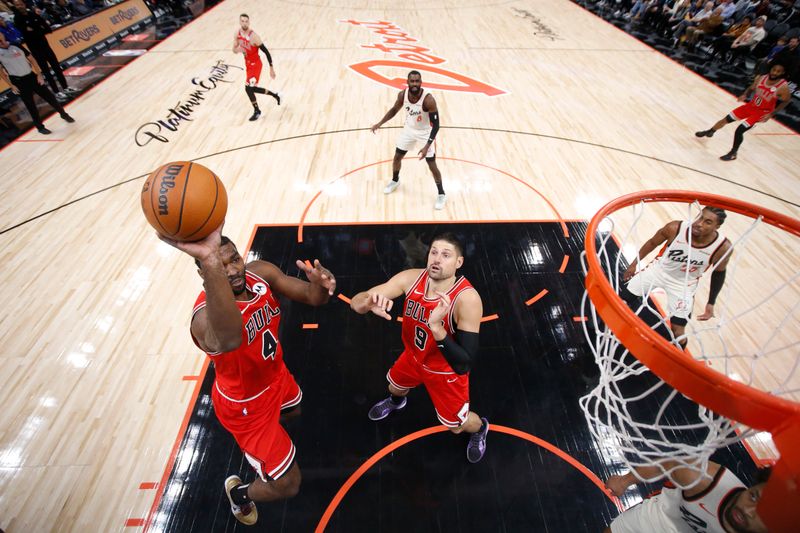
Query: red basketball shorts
750 114
449 392
253 69
255 424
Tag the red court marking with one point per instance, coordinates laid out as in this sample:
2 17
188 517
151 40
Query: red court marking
489 318
538 297
78 71
148 485
190 378
349 172
343 298
310 326
369 463
579 319
38 140
134 522
563 266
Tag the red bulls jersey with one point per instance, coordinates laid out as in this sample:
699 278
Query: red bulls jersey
765 96
246 44
417 336
248 371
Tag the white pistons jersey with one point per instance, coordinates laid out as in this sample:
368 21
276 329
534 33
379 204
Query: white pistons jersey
416 118
703 512
681 257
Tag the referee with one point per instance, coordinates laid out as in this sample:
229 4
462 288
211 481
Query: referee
23 74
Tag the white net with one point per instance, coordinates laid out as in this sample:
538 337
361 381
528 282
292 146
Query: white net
753 338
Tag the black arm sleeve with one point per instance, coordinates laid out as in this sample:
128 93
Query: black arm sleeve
717 279
266 53
435 125
462 354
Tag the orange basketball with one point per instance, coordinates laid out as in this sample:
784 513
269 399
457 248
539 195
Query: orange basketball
184 201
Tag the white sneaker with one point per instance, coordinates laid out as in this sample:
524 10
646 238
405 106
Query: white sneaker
390 187
247 515
440 201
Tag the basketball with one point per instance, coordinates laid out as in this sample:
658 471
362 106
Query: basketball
184 201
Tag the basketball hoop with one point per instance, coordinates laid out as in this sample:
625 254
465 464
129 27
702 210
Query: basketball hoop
644 374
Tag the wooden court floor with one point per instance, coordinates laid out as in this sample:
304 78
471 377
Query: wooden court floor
563 112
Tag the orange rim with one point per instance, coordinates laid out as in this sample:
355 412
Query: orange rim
734 400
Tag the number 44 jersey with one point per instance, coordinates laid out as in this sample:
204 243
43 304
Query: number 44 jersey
251 369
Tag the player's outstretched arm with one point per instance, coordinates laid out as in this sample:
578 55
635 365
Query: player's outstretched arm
665 234
316 291
398 104
236 48
720 261
460 352
379 299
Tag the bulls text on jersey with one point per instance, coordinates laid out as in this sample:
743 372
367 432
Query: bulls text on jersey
259 320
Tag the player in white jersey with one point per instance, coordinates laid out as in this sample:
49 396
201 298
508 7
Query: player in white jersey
421 126
719 503
688 251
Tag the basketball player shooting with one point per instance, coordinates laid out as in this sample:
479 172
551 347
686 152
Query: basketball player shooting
766 92
688 251
236 320
421 126
247 42
719 502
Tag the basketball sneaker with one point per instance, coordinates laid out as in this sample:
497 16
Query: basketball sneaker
256 114
477 443
67 118
382 409
247 514
43 130
730 156
440 201
278 98
390 187
705 133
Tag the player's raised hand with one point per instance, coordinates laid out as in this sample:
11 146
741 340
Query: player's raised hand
199 249
617 485
380 305
318 275
441 309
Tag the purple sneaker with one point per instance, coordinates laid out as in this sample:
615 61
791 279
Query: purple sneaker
477 443
382 409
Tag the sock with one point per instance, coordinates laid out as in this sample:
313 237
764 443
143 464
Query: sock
395 175
251 95
239 495
439 185
397 400
738 137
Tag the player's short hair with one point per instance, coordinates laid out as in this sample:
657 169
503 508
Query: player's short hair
225 241
245 15
721 214
452 239
412 73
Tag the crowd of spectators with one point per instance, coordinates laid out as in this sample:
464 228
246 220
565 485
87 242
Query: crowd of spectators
55 12
750 34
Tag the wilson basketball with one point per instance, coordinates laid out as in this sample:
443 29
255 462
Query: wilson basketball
184 201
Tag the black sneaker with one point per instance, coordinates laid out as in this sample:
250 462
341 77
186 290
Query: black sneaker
67 118
730 156
278 98
256 114
477 443
43 130
704 133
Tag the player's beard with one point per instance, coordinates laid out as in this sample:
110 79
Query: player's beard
238 290
414 90
773 77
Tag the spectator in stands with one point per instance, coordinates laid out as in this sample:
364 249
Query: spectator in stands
722 44
59 11
706 26
785 54
34 30
728 9
672 15
11 33
747 41
699 16
81 7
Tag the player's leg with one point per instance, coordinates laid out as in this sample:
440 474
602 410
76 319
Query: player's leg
450 397
252 73
430 158
738 135
678 326
397 163
402 377
732 117
287 486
